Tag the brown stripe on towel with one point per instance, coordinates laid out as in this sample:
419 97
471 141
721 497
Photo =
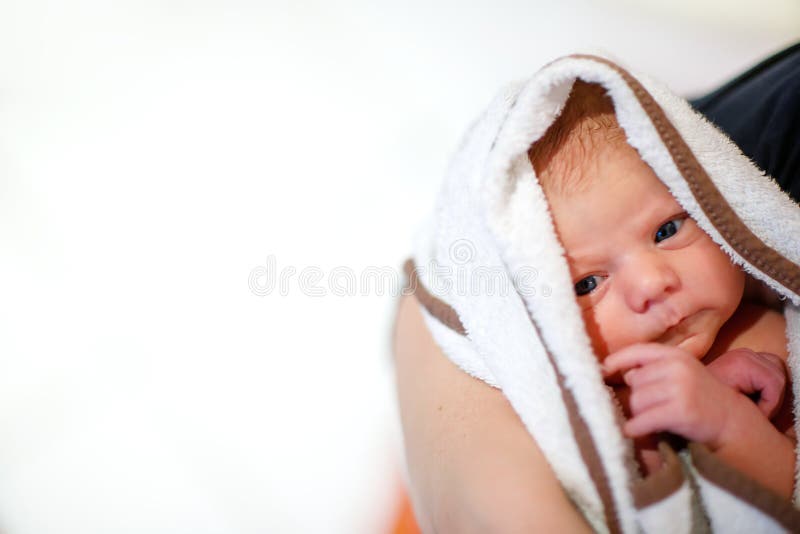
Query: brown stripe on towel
661 484
743 487
433 304
586 444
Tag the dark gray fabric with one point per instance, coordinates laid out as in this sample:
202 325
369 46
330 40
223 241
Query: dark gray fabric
760 111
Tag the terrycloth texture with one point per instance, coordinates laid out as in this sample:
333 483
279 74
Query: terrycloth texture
490 252
732 515
671 514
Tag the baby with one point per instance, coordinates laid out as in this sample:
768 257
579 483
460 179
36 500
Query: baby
678 328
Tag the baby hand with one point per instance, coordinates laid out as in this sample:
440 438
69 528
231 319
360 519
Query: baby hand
672 391
753 373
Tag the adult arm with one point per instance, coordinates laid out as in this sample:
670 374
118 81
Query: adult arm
473 466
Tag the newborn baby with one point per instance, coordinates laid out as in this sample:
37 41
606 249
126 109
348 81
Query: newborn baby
686 347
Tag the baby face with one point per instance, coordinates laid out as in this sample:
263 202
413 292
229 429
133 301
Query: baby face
643 270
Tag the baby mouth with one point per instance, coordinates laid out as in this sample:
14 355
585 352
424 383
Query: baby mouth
676 333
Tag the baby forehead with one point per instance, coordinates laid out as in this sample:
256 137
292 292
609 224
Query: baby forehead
614 202
569 164
589 172
607 174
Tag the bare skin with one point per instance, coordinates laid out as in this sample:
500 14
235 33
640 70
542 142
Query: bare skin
473 466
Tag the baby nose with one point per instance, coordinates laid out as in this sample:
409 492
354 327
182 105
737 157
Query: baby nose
649 279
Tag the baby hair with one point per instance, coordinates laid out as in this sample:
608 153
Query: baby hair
585 124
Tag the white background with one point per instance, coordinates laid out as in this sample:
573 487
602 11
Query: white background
154 153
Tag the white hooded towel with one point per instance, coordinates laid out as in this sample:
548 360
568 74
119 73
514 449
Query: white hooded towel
498 298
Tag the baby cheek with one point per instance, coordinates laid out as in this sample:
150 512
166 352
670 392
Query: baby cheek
607 330
725 277
734 288
590 319
707 263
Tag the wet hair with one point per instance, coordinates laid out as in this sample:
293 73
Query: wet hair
585 125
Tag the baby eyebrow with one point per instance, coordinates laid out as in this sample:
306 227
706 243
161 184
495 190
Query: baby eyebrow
672 216
581 261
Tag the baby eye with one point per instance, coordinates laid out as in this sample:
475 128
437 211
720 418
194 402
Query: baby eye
586 285
668 229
